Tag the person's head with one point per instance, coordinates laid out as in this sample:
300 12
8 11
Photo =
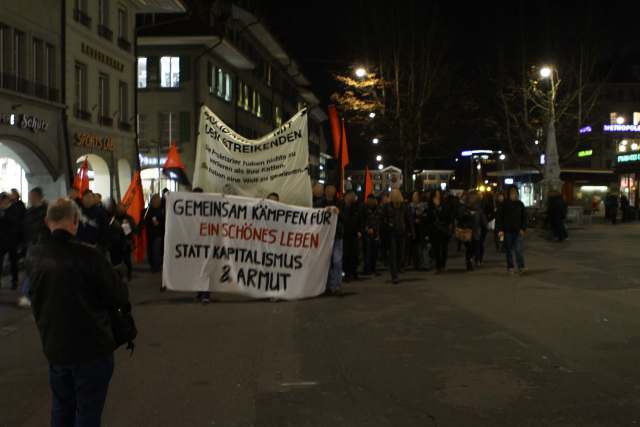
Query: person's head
415 197
436 198
372 201
513 193
5 201
349 197
97 198
63 214
330 192
274 196
73 194
500 197
164 192
14 195
318 190
196 190
88 199
385 198
156 202
36 197
120 209
396 197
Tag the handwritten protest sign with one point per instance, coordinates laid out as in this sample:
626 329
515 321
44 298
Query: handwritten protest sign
253 247
229 163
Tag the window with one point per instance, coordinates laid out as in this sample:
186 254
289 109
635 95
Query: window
50 64
167 127
81 91
636 119
103 12
4 51
81 5
80 13
278 116
103 100
244 97
122 24
268 75
170 71
123 105
38 61
228 82
221 83
141 122
256 107
18 54
142 72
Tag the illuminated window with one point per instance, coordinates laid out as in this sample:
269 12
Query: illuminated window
142 72
170 71
636 119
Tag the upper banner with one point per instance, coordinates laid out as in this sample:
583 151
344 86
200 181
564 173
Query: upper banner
228 163
253 247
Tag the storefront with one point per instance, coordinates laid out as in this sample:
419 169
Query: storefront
153 180
32 150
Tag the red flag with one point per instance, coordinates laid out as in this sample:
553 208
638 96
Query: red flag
81 180
344 157
174 168
368 183
334 123
133 202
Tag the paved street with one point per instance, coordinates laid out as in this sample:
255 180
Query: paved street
557 347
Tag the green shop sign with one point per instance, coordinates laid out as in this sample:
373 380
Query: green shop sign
626 158
585 153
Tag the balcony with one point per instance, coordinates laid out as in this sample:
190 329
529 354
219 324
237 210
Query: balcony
105 32
125 126
105 121
82 114
82 17
27 87
124 44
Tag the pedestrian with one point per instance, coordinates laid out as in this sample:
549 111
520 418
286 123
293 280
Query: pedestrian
34 231
352 220
465 223
440 227
318 195
371 234
334 279
512 226
611 208
384 232
74 292
11 218
557 215
93 222
129 228
499 201
396 218
624 207
418 245
155 222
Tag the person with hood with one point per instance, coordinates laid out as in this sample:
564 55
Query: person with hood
397 220
439 225
512 226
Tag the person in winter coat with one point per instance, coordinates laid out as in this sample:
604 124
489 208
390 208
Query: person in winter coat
334 279
11 217
496 233
439 226
371 234
472 218
512 226
34 229
94 222
154 221
352 217
396 218
557 215
418 246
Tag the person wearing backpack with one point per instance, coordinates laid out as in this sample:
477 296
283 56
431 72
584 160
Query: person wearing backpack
80 304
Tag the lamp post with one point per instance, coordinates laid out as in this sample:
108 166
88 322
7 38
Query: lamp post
551 180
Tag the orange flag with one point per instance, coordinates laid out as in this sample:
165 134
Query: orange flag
133 202
368 183
174 168
81 180
344 158
334 124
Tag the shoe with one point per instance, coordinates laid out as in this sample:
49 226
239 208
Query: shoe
469 266
335 292
23 302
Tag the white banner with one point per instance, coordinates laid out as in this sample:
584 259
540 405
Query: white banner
253 247
228 163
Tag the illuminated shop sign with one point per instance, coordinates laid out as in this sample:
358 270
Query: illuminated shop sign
621 128
24 121
146 161
585 153
626 158
586 129
89 140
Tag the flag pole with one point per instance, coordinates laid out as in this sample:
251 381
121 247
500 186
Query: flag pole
340 168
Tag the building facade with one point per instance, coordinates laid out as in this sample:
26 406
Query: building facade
67 92
236 67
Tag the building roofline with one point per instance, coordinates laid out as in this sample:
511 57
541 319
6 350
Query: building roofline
160 6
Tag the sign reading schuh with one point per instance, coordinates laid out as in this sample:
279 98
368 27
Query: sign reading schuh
228 163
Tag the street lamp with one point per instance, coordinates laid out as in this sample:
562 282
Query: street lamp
375 141
372 115
620 120
502 157
552 160
380 166
378 158
361 72
545 72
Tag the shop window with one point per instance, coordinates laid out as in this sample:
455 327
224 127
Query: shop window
170 71
142 72
18 55
617 118
636 119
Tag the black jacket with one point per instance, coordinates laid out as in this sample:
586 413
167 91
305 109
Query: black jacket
34 226
73 290
324 203
154 231
439 222
371 219
352 219
512 217
11 225
93 226
397 220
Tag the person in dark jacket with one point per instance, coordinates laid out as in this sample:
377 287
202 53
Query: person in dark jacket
624 207
396 217
94 222
318 195
512 226
155 221
384 232
499 200
11 217
471 217
352 220
129 227
611 208
371 234
557 215
418 245
334 279
74 291
34 229
439 226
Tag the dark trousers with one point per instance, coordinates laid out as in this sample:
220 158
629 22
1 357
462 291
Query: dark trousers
126 259
513 242
440 251
558 229
384 248
155 250
13 261
350 257
396 254
370 254
469 252
79 392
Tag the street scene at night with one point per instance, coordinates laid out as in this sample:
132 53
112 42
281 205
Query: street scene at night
248 213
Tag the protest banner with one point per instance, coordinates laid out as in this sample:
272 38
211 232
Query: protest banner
228 163
253 247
